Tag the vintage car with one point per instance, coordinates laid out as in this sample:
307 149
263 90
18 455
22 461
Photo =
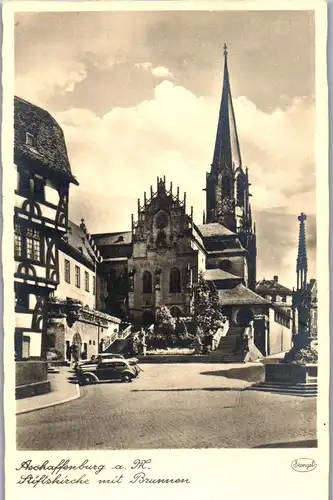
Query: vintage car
108 369
94 360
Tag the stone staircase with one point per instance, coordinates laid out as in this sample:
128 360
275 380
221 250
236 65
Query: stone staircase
230 348
118 342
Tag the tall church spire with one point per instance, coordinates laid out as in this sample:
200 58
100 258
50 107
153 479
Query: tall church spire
226 151
302 260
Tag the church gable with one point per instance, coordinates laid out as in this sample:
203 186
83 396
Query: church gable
162 224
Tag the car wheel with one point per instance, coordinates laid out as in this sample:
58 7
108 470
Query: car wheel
126 378
88 379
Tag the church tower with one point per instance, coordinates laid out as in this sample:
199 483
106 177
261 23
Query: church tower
227 184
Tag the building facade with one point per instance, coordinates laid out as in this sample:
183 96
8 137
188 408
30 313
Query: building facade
40 221
75 327
56 261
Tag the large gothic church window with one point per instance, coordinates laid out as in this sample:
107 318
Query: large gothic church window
240 190
174 280
226 187
147 280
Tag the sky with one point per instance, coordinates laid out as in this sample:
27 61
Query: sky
138 93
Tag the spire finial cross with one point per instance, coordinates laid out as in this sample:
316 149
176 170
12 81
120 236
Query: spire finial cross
302 217
225 49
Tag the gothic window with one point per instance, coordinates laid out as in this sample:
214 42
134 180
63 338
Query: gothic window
67 271
226 187
77 277
240 190
86 281
147 282
33 244
94 286
176 312
174 280
17 241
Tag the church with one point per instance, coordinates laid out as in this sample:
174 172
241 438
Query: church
158 262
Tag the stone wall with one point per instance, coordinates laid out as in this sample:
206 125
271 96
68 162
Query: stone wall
88 330
29 372
31 379
160 289
280 337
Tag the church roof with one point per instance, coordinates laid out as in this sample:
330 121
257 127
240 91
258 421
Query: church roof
49 151
119 238
214 229
227 150
240 295
77 240
219 275
273 286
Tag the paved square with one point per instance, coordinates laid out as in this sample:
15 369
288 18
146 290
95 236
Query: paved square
170 406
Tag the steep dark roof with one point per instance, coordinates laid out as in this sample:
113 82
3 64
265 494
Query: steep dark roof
49 151
77 240
214 229
119 238
240 295
226 149
271 286
219 275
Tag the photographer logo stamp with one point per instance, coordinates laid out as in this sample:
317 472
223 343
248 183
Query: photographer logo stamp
303 464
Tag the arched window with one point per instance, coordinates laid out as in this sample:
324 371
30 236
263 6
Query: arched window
244 316
147 286
176 312
226 187
225 265
174 280
240 190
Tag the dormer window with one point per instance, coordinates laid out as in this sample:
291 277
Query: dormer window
30 140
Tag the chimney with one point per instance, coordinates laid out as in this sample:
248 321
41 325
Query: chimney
276 279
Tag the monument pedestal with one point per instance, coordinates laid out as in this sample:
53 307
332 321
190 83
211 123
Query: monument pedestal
289 378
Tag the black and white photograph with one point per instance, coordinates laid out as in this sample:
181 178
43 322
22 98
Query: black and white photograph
166 209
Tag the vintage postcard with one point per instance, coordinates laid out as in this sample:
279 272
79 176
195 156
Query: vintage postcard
165 249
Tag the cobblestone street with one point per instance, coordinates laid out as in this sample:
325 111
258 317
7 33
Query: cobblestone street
170 406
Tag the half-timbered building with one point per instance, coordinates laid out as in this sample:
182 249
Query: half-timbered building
40 220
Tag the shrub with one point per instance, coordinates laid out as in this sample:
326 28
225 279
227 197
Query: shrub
304 356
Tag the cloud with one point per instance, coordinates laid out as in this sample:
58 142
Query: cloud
50 80
158 71
162 72
116 157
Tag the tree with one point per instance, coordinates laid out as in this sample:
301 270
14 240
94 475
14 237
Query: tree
164 330
207 309
165 322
